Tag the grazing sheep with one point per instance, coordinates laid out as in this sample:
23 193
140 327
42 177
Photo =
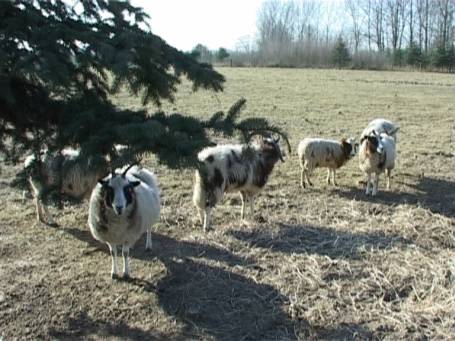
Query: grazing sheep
123 207
316 152
64 171
377 154
381 125
229 168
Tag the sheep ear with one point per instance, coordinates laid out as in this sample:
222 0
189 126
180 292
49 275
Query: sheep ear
394 131
344 141
135 183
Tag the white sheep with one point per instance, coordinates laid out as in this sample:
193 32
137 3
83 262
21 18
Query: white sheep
317 152
377 154
122 207
381 125
65 171
228 168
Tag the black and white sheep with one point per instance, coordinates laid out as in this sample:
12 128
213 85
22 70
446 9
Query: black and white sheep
381 125
233 168
377 155
317 152
64 171
122 207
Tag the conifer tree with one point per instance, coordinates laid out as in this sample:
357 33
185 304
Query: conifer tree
340 54
414 55
441 57
61 62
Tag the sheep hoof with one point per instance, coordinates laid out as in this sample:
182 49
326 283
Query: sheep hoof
115 276
52 224
126 277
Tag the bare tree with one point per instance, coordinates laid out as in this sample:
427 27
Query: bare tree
411 21
303 32
366 6
354 12
378 17
396 22
446 9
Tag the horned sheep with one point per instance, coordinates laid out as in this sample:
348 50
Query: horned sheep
381 125
377 155
318 152
122 207
233 168
67 172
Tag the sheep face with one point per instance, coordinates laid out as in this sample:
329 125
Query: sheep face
350 147
374 143
271 145
118 192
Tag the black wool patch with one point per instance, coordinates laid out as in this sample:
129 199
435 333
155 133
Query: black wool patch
108 195
128 192
235 156
218 178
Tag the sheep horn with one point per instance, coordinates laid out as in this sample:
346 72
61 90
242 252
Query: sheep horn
130 166
112 171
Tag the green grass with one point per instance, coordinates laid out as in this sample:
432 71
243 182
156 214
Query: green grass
320 263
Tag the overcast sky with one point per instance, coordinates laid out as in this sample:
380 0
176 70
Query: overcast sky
213 23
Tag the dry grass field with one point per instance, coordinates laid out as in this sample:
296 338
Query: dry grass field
323 263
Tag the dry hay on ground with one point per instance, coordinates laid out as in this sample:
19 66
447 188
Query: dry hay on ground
320 263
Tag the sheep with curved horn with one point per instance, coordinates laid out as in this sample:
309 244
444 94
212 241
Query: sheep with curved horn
240 168
377 155
123 206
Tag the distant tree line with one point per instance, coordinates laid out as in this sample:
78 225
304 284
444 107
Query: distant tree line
204 55
363 34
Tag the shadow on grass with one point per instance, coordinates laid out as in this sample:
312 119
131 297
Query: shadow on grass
433 194
209 299
81 326
319 240
226 305
165 244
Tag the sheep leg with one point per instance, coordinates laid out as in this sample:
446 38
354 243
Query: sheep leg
126 267
368 184
113 250
200 211
308 178
50 221
35 186
244 198
388 173
148 240
252 206
206 219
39 211
333 177
375 184
302 180
328 176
